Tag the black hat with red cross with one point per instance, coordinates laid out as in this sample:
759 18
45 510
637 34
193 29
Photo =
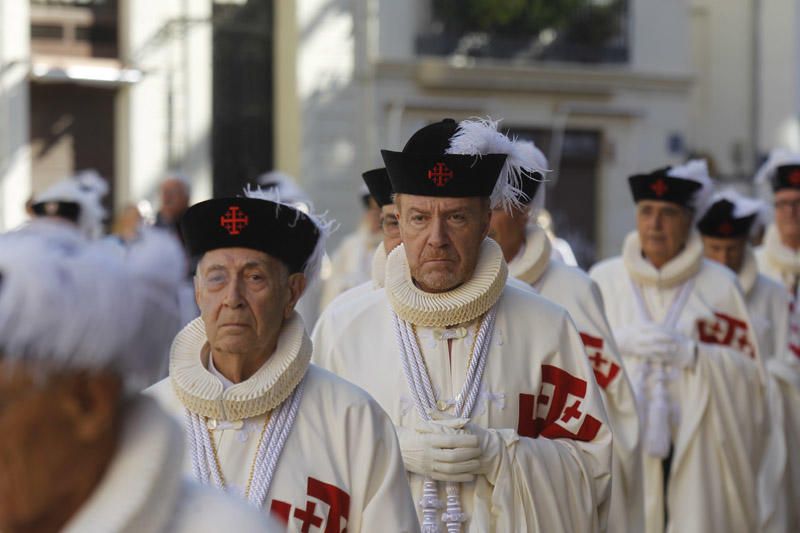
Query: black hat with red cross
379 186
786 177
425 168
721 221
278 230
659 185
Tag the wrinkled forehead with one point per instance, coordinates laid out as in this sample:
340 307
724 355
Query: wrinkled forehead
660 206
238 259
724 242
787 194
439 203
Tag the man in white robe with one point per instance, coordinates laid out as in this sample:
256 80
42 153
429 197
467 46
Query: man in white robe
726 228
500 421
527 249
351 262
683 331
262 422
779 256
81 449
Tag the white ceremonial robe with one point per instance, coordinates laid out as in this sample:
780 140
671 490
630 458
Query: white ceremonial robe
786 373
719 405
537 393
341 466
143 488
573 289
351 264
779 262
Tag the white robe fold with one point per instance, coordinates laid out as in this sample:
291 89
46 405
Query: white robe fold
143 488
713 482
341 465
571 288
537 393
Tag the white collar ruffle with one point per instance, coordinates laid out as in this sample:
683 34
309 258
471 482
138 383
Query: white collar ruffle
749 271
379 266
781 257
533 260
203 393
679 269
463 304
141 487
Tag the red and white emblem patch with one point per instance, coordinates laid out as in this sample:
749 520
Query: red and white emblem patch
727 331
605 370
306 517
440 174
555 412
234 220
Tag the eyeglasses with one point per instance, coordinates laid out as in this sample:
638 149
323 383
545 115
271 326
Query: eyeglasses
390 226
785 205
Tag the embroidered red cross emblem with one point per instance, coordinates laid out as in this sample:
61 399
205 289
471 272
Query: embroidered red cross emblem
659 187
727 331
726 228
794 177
560 420
440 174
594 350
234 220
337 500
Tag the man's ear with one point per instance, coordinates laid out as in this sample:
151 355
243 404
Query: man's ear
91 401
297 286
488 223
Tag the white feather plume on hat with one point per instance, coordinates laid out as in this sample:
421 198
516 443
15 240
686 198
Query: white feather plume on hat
480 137
777 157
86 188
325 227
93 306
695 170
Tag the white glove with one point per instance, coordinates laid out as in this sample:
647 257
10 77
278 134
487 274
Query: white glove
491 447
440 450
639 339
673 348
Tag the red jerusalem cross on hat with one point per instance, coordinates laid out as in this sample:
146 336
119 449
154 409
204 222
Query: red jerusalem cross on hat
278 230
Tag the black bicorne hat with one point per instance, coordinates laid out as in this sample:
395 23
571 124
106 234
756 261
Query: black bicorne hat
658 185
786 177
720 221
278 230
380 188
424 169
57 208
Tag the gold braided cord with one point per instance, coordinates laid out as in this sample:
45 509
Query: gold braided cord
252 465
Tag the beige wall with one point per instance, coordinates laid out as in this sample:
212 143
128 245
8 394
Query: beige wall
15 167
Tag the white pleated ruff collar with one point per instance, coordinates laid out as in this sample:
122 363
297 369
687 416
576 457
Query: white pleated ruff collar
679 269
749 271
465 303
379 266
532 262
781 257
203 393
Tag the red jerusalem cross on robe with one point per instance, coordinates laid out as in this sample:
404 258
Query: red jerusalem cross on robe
335 499
727 331
440 174
234 220
555 412
605 370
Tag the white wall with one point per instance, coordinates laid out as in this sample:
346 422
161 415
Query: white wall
15 166
170 40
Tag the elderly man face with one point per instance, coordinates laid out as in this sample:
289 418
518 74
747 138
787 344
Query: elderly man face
508 229
442 238
787 216
59 434
174 199
391 228
663 229
729 252
244 297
